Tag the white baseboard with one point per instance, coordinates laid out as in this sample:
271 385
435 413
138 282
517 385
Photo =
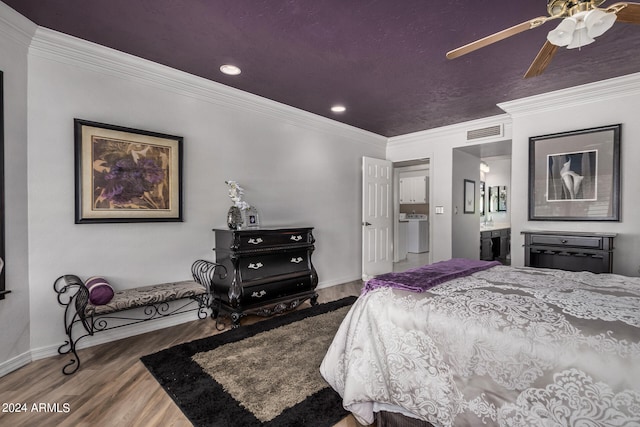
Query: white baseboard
99 338
15 363
335 282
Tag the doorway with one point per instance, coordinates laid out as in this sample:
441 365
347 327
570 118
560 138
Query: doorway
491 182
412 232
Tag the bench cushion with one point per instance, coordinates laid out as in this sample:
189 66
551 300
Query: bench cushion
147 295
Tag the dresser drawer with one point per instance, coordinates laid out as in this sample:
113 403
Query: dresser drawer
257 267
261 241
253 295
560 240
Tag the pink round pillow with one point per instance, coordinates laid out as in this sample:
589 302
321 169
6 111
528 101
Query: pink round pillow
100 291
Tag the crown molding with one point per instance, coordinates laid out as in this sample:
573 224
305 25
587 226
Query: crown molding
59 47
15 26
604 90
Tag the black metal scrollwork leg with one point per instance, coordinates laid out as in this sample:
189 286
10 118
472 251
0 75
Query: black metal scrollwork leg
203 272
73 295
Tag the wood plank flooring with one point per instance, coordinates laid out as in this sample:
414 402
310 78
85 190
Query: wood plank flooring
112 387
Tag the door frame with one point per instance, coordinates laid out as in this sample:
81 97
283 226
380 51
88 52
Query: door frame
405 166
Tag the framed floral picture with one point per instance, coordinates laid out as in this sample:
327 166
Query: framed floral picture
126 175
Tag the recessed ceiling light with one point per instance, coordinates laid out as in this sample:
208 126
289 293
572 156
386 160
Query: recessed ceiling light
338 108
229 69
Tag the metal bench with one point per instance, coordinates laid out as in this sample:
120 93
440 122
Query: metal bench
154 299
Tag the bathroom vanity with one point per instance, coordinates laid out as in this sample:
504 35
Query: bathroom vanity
495 243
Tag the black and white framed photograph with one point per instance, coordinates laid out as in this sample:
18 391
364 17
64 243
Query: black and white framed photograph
575 176
251 217
469 196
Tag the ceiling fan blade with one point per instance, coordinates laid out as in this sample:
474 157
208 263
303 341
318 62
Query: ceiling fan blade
501 35
543 59
626 12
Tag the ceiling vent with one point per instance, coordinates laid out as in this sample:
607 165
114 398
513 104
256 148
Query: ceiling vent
487 132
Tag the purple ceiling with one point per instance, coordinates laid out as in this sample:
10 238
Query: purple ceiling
384 60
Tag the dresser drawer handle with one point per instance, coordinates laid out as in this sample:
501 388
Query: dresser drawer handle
296 238
256 265
255 241
297 260
259 294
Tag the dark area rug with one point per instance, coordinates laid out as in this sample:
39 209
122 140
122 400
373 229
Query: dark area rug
265 374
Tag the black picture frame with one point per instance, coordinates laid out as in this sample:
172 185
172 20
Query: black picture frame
502 198
126 175
469 201
575 176
3 266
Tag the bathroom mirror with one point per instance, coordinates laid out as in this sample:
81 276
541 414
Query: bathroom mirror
493 199
498 198
481 202
502 198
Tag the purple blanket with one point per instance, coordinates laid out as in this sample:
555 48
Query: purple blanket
424 278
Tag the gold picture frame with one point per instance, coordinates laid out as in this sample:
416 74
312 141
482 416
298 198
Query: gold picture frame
126 175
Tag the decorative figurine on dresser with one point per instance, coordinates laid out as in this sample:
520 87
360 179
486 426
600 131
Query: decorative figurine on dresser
270 271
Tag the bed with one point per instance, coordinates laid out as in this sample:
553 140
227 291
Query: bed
466 343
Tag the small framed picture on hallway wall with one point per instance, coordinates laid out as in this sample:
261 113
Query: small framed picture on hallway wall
469 196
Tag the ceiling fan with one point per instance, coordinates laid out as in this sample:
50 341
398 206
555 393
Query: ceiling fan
583 22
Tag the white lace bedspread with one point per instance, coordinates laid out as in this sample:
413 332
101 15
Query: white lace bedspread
506 346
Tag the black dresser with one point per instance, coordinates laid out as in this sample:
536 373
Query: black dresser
572 251
269 271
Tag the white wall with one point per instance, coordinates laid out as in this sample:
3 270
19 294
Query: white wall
437 145
15 34
604 103
297 168
465 227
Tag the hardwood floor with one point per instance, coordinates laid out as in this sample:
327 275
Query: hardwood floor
112 387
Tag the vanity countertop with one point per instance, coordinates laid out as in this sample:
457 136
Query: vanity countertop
494 226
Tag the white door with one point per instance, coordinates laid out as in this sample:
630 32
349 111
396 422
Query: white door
377 217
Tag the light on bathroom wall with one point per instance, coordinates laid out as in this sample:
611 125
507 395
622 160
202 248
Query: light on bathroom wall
484 167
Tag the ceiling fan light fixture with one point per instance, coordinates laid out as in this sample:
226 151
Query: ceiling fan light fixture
581 28
562 35
598 22
580 38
